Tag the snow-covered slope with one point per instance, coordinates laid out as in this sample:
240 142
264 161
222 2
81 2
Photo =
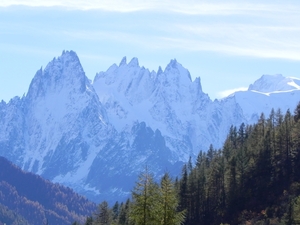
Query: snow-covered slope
97 137
163 99
167 100
275 83
270 91
59 127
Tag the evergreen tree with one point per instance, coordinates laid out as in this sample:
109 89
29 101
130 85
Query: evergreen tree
183 190
262 124
124 213
210 154
297 113
200 193
115 211
145 206
232 186
169 203
103 215
296 210
89 221
75 223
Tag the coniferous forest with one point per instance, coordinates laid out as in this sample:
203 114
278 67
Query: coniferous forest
253 179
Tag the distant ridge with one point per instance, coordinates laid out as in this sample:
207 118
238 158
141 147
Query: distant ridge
275 83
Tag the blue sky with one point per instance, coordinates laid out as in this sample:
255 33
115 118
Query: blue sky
228 44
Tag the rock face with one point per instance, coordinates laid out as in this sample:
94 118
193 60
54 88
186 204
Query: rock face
97 136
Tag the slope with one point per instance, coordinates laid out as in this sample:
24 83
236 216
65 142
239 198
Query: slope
267 93
38 200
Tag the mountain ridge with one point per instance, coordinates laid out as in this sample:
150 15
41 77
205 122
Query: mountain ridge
97 136
275 83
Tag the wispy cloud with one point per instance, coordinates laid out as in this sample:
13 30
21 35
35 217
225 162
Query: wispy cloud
190 7
262 41
223 94
264 30
233 39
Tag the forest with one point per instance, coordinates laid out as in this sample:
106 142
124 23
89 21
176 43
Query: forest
253 179
26 198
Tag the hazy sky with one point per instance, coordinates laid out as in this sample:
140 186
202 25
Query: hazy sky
228 44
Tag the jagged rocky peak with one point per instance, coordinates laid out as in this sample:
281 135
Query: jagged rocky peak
173 63
117 72
274 83
159 71
134 62
132 79
177 71
63 71
123 61
197 83
173 71
67 68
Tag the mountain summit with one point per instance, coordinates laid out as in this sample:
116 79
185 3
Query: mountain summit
97 136
273 83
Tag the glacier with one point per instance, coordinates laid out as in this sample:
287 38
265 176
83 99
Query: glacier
97 136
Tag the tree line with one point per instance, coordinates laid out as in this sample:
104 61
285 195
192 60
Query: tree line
253 179
152 203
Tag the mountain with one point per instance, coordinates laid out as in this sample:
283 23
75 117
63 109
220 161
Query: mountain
269 91
275 83
26 198
167 100
97 136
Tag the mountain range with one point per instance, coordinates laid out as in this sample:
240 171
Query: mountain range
97 136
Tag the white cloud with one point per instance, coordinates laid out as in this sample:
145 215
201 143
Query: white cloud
264 30
190 7
262 39
223 94
233 39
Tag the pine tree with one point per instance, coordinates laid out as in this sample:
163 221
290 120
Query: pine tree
89 221
288 124
232 186
297 113
75 223
183 190
210 154
200 194
221 168
103 215
296 210
115 210
124 213
169 203
145 206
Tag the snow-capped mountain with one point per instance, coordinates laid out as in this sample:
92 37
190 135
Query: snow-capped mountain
275 83
96 137
167 100
270 91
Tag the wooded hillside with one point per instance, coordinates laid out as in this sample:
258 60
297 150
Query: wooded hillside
253 179
37 200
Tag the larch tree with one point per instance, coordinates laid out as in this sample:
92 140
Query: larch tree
145 203
169 203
